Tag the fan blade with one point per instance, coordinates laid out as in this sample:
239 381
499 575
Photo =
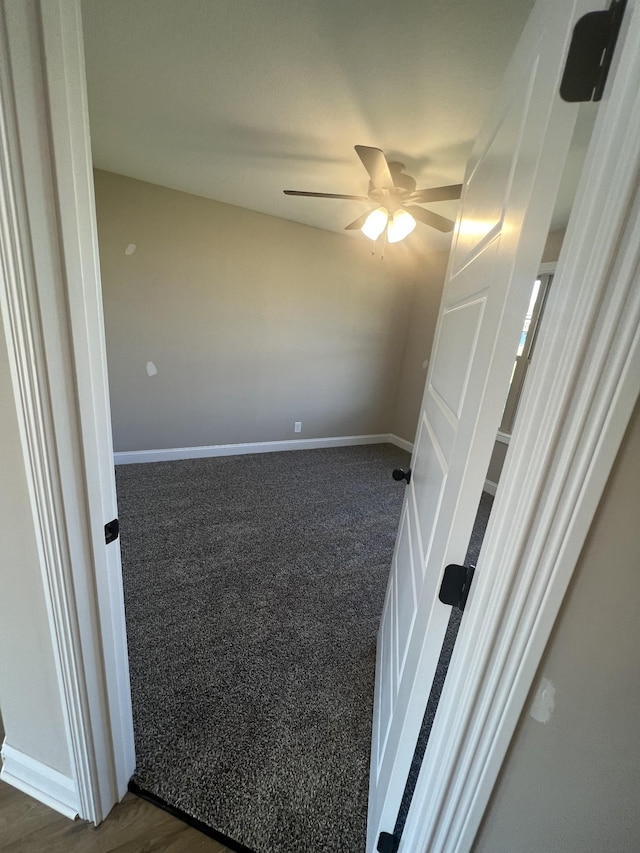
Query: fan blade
327 195
357 223
376 165
429 218
437 194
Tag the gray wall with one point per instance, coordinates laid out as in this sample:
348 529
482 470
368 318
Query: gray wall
29 696
429 280
253 322
553 246
496 463
573 784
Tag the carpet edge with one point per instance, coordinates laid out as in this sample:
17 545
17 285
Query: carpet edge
193 822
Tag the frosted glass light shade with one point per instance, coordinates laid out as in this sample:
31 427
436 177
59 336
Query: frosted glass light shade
401 225
375 223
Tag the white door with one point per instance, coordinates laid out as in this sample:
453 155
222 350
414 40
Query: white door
507 203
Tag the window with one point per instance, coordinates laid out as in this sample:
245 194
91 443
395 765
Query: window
525 350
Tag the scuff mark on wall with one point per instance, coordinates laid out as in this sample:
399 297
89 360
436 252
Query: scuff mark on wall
544 701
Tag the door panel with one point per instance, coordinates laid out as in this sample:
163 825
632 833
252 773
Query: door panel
508 198
405 593
428 475
386 695
488 186
453 358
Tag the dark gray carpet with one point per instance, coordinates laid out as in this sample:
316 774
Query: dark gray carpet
253 589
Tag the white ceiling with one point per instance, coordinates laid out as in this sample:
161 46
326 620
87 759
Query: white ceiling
237 100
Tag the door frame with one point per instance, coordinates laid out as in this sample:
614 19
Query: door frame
51 305
574 425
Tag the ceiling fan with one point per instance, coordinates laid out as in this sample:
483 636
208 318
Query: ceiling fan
396 198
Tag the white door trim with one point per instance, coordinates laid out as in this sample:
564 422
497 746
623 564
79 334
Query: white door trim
51 309
72 165
576 419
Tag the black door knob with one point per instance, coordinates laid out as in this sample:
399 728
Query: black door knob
401 474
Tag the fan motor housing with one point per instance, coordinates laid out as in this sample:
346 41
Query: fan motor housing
403 184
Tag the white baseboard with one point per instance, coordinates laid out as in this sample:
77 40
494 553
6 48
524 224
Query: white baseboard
491 487
130 457
401 442
39 781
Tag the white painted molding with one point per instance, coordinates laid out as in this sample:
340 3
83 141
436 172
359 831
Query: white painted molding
490 487
26 248
575 421
71 163
39 781
131 457
43 194
503 437
401 442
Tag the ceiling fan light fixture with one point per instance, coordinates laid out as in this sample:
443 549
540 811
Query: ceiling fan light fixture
396 194
401 224
375 223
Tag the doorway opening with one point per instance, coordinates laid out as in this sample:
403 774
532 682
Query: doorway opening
149 374
257 317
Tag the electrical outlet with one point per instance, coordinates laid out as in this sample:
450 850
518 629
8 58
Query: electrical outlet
297 426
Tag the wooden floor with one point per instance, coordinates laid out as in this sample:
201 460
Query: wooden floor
134 826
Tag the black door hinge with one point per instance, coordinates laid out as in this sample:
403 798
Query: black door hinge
386 843
111 531
590 54
455 586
